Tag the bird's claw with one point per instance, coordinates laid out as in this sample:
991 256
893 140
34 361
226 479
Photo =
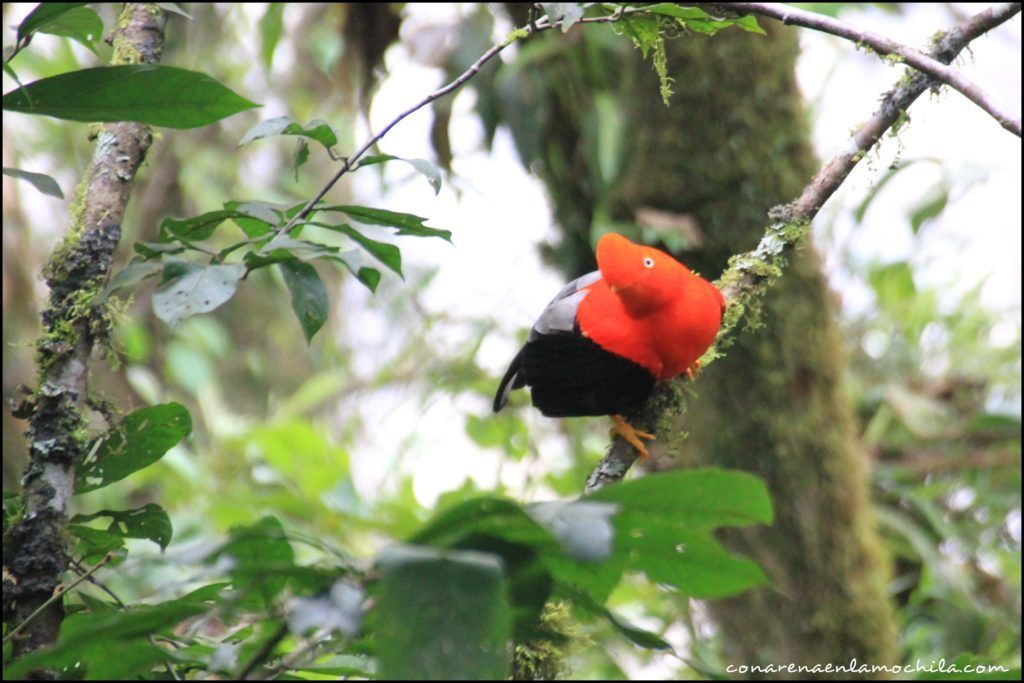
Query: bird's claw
632 435
693 371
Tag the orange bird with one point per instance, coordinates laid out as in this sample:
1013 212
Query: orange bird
604 341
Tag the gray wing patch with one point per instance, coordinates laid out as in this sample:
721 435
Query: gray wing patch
560 314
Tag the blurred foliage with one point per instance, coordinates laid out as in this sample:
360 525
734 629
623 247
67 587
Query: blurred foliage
273 516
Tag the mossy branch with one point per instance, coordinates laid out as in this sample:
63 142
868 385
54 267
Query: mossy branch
750 275
35 548
884 47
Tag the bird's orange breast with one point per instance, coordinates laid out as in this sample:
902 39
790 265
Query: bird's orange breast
667 340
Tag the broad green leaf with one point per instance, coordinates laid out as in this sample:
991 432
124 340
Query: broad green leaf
43 14
300 158
441 615
149 521
388 254
194 289
406 223
261 558
40 181
318 130
309 296
81 24
153 94
665 522
271 25
474 523
141 439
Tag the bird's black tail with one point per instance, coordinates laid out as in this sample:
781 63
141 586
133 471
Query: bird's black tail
510 381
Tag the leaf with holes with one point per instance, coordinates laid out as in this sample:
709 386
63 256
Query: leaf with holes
192 288
142 438
149 521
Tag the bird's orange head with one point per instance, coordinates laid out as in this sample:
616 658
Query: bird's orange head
644 278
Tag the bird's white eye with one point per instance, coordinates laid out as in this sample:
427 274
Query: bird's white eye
648 262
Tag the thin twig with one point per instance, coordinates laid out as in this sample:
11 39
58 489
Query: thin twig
525 31
264 652
883 46
741 281
57 594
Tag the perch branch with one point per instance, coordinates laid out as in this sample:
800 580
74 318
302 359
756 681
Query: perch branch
749 275
884 47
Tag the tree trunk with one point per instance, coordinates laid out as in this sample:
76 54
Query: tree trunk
732 144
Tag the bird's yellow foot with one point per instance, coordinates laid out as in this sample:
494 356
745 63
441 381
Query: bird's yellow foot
631 435
693 371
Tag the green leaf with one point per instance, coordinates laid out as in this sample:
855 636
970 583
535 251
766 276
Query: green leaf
670 9
426 167
271 25
749 24
201 227
635 634
40 181
309 296
81 24
441 615
257 218
194 289
300 158
318 130
665 522
149 521
260 557
43 14
388 254
153 94
931 206
141 439
406 223
88 640
94 544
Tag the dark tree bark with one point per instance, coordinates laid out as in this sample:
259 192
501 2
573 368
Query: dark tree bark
732 144
35 547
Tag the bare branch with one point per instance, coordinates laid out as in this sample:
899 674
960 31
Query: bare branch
883 46
749 275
